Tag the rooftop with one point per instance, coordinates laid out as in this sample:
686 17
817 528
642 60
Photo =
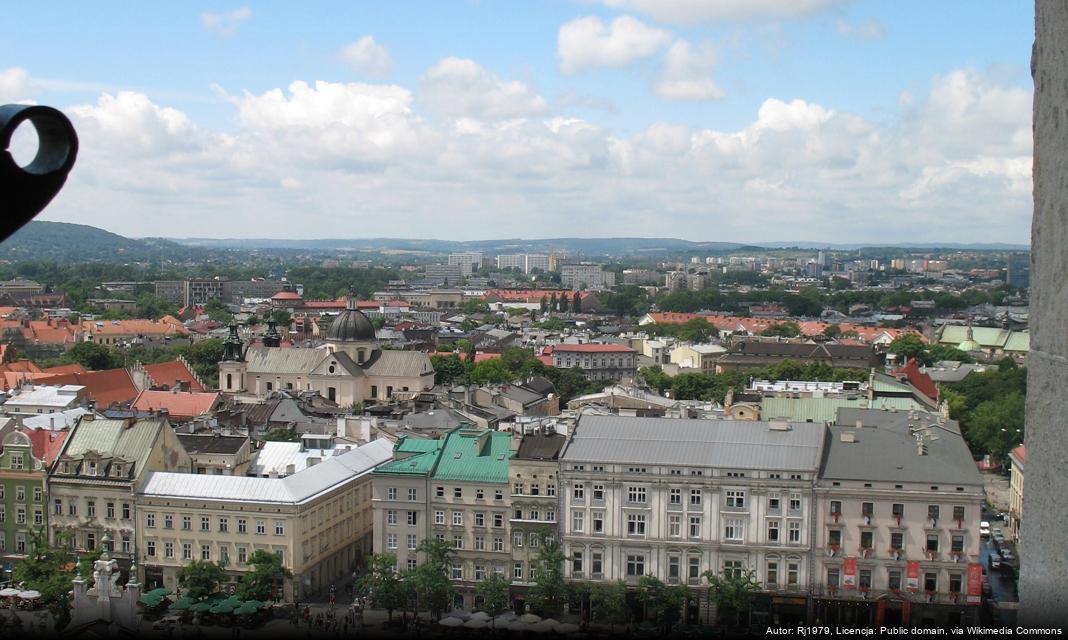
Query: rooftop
213 443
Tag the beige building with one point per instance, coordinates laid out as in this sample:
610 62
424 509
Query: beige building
115 332
91 483
701 357
897 522
317 520
218 455
351 368
1017 460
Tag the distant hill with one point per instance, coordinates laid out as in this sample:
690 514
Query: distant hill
66 242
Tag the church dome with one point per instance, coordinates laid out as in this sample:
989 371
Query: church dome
350 325
969 346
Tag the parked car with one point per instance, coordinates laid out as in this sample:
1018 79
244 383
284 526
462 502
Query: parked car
994 561
1007 555
984 529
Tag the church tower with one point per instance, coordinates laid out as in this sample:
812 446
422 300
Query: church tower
232 366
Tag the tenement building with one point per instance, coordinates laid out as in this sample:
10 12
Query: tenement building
675 498
317 520
897 522
599 361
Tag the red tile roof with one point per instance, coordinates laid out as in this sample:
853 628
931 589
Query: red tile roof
167 374
923 382
1021 453
74 367
46 444
106 387
179 404
757 325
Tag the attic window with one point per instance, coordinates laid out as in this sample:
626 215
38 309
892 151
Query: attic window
500 456
456 456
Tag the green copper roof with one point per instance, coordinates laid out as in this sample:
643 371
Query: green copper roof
475 455
883 383
412 457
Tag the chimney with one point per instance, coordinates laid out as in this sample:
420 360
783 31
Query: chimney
849 437
860 423
291 469
314 461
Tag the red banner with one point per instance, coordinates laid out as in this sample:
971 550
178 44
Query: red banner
975 583
849 573
912 577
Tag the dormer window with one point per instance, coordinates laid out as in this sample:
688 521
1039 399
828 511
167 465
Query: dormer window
90 468
66 467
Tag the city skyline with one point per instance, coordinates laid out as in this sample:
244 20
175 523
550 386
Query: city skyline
836 122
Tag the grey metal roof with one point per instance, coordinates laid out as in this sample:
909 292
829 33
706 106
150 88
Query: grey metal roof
288 361
116 438
885 451
732 444
401 364
297 488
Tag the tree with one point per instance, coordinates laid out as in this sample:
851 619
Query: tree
448 369
94 356
266 577
553 305
695 330
832 332
476 306
218 311
662 602
544 304
565 304
655 377
45 569
549 594
939 352
690 386
608 603
204 357
495 594
576 303
200 578
430 580
788 329
489 372
732 591
383 584
282 434
910 346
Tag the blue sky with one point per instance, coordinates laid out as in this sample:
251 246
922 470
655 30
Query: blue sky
742 120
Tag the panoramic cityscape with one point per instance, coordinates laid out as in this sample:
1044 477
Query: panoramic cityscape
654 319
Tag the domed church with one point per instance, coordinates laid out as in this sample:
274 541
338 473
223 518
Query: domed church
352 367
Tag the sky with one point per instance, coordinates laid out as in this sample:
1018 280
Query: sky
712 120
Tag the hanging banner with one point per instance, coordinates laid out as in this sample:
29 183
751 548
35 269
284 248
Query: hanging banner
975 583
912 576
849 573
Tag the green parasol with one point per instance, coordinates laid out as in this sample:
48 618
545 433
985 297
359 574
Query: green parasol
223 607
245 610
200 607
182 604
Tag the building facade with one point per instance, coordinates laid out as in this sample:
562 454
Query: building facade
1017 462
586 276
599 361
24 462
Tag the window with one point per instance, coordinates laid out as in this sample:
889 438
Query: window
498 544
898 510
636 495
242 525
457 572
480 518
598 492
391 516
205 523
72 508
480 543
897 540
458 518
20 515
391 541
457 541
867 509
38 516
412 518
832 576
150 519
736 499
694 572
224 554
187 523
532 541
578 522
517 539
480 572
16 460
596 563
91 509
773 573
958 514
695 497
836 506
498 520
391 493
673 567
834 537
774 503
168 549
635 524
957 544
930 581
793 530
675 526
578 492
439 517
733 529
57 507
498 494
598 522
795 502
576 562
635 565
439 492
695 526
550 516
893 579
168 521
38 494
224 525
534 514
90 541
864 579
187 551
517 489
413 495
550 490
457 492
932 542
261 527
279 528
732 568
413 542
773 530
955 582
675 496
866 539
932 511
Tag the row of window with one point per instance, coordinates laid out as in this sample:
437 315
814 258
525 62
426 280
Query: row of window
205 552
897 510
520 489
223 524
110 508
481 543
897 540
20 515
692 472
732 499
20 492
893 579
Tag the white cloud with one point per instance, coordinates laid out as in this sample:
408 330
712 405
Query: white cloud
359 160
14 84
368 57
463 88
870 30
225 24
700 11
687 73
585 43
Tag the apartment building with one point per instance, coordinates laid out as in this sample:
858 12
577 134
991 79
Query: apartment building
91 483
586 276
24 461
600 361
1017 462
455 490
674 498
468 262
535 504
318 520
897 522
